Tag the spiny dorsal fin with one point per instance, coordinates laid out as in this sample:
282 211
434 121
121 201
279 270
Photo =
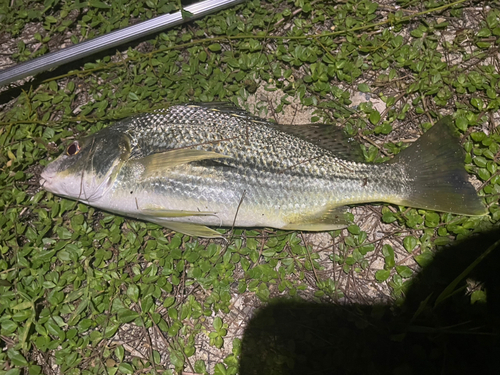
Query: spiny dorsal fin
228 108
154 164
325 136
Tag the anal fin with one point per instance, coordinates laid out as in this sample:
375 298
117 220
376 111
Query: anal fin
190 229
330 219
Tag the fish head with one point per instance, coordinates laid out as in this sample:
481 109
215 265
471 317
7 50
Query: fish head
88 167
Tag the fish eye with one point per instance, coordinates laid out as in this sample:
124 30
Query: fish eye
73 149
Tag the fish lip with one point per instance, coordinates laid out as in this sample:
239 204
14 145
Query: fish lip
48 172
46 177
45 183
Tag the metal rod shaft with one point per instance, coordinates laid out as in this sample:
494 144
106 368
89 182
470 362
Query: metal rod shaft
113 39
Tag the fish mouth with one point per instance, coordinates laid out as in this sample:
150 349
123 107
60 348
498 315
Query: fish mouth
45 179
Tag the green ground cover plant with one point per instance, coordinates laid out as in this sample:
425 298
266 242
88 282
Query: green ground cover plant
83 291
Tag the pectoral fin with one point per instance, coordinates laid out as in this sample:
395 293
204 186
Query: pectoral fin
155 164
331 219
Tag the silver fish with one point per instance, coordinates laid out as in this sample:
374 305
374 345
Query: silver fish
197 165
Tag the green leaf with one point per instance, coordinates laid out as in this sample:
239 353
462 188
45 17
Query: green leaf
200 367
478 296
8 327
478 136
424 259
177 359
120 353
133 96
388 251
492 19
366 248
111 330
410 243
417 33
125 368
382 275
478 103
99 4
432 219
462 123
217 323
374 117
404 271
127 315
388 217
16 357
133 292
484 32
215 47
147 304
480 161
186 14
363 87
220 369
353 229
483 174
169 301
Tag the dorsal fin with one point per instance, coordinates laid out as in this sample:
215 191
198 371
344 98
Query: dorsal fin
325 136
228 108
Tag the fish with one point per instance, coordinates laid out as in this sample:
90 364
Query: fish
196 166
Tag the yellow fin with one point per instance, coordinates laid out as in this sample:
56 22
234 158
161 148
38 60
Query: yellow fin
330 219
157 211
191 229
154 164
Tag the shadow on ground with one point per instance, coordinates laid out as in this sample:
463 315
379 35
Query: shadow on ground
455 337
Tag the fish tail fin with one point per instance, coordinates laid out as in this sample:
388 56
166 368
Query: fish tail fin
434 165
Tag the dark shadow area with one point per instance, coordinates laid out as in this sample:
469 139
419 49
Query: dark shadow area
454 337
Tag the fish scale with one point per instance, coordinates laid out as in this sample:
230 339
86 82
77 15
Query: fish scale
250 142
190 166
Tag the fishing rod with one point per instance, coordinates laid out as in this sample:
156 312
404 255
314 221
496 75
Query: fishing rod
113 39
